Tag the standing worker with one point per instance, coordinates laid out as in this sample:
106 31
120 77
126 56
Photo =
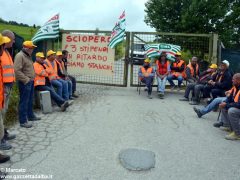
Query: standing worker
3 40
24 71
8 81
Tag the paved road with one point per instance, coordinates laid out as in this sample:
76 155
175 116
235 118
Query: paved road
83 143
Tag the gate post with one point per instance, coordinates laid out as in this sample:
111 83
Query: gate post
126 61
215 48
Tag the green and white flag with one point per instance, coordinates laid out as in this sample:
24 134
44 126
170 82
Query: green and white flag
118 32
155 50
50 30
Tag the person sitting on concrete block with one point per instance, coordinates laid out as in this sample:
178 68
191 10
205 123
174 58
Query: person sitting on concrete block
42 83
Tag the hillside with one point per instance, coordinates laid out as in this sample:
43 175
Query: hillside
25 32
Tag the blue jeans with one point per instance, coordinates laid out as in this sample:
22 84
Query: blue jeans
73 79
170 79
59 100
161 84
62 88
69 87
26 101
148 81
214 104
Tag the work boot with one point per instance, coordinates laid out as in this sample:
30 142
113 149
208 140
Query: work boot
4 158
149 96
172 88
8 136
232 136
64 106
70 102
75 95
223 128
184 99
179 89
218 124
199 114
26 125
4 145
193 103
161 95
35 118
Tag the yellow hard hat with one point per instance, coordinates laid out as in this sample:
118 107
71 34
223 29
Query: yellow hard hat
40 54
4 39
50 52
59 53
178 54
213 66
29 44
147 60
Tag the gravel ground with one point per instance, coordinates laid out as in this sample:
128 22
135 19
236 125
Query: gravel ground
84 142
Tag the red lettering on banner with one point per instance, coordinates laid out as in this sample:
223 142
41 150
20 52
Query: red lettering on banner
69 38
96 39
74 48
99 66
103 39
90 38
69 56
84 39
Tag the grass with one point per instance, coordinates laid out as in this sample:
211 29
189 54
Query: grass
26 32
12 114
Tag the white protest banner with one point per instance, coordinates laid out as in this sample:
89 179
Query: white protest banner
88 54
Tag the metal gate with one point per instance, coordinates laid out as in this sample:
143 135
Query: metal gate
121 59
204 46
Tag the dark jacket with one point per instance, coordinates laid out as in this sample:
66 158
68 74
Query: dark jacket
205 76
223 81
60 73
65 63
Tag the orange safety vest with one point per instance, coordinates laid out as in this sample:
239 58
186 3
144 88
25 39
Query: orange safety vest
192 69
7 68
1 89
61 66
175 64
162 68
143 70
236 94
41 74
53 70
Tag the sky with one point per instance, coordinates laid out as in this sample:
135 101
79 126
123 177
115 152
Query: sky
77 14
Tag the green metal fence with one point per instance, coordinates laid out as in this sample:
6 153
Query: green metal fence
200 45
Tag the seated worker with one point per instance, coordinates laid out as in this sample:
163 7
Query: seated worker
62 72
221 82
42 83
192 71
162 71
73 79
56 81
146 75
230 114
177 71
198 86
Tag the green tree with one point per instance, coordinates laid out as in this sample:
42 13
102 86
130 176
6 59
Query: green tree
196 16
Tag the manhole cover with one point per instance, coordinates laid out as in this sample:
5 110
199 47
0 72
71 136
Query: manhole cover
137 160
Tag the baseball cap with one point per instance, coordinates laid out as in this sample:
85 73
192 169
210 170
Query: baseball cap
29 44
4 39
50 52
40 54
